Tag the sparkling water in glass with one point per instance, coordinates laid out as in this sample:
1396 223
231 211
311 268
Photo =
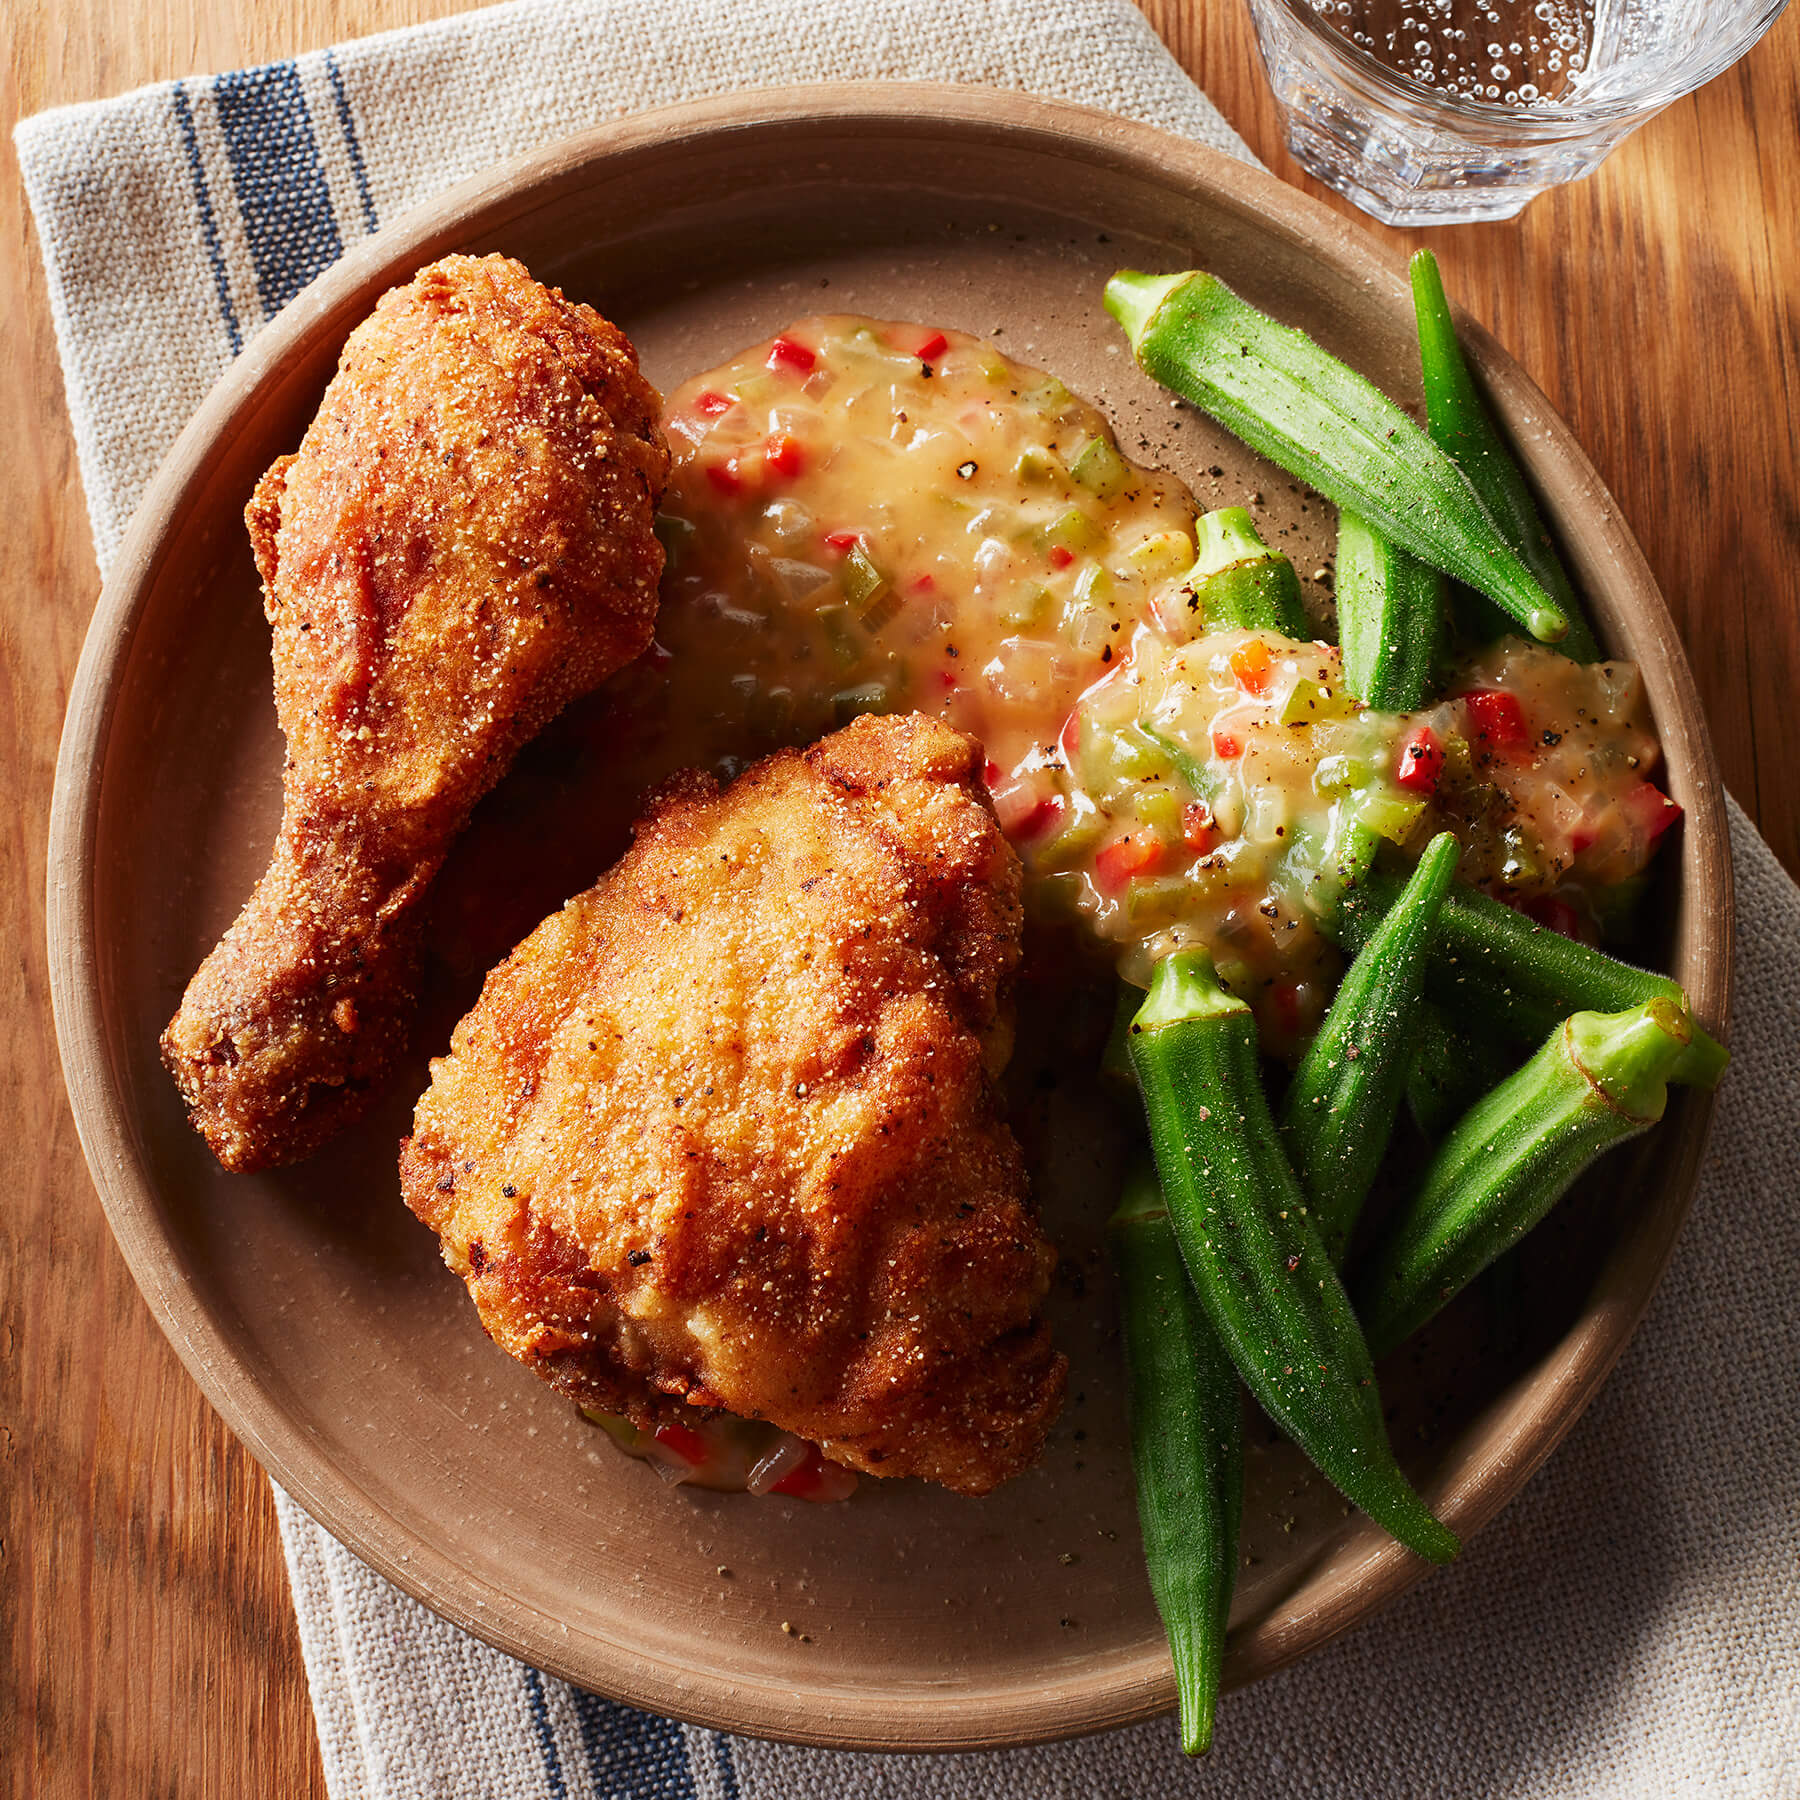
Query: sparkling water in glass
1436 112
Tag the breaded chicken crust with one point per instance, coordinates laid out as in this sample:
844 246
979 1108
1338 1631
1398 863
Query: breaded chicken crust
724 1131
462 545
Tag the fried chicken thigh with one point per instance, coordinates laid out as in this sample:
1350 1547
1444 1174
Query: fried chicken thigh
462 545
724 1131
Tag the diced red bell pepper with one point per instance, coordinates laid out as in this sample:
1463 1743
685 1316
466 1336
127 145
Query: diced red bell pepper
713 403
1069 739
1552 910
1198 831
800 1483
1498 717
1650 810
690 1446
924 584
1284 1001
1225 746
816 1479
1026 818
1061 556
947 680
1140 853
932 348
991 771
1421 761
1250 664
725 476
843 541
785 456
785 353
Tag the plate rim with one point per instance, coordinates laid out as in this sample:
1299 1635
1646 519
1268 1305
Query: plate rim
973 1719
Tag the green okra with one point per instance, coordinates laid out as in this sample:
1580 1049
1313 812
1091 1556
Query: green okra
1451 1069
1257 1263
1463 428
1239 583
1321 421
1390 611
1327 874
1599 1079
1338 1113
1187 1449
1115 1058
1520 979
1474 618
1503 1289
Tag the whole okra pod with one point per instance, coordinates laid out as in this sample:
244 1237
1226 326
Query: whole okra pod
1258 1265
1338 1113
1187 1448
1390 611
1519 978
1464 430
1239 583
1318 419
1599 1079
1452 1067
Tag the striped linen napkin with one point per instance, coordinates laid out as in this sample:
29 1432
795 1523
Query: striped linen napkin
1628 1628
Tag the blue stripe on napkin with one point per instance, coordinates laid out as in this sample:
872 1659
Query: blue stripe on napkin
540 1724
725 1766
616 1752
633 1755
347 125
209 226
280 181
279 209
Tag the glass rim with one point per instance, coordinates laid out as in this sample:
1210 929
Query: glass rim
1549 119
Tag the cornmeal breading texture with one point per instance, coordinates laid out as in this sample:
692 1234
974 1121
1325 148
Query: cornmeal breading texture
724 1130
462 545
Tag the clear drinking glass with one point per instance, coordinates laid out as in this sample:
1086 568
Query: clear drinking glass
1437 112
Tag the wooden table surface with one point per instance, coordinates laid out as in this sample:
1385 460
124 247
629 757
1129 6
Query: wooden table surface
149 1642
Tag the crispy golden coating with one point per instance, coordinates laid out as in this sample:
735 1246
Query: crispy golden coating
723 1132
462 545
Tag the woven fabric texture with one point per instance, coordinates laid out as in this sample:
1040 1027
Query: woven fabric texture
1629 1627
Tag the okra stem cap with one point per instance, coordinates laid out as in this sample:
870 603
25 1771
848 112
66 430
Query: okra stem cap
1629 1056
1185 986
1132 297
1225 538
1141 1199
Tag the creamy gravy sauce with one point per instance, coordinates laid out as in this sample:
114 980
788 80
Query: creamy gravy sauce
879 516
875 516
1208 786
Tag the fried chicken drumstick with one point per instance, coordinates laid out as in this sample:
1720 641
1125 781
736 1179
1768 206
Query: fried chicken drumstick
723 1132
462 545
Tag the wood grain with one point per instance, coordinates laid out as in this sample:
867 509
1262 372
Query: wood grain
150 1647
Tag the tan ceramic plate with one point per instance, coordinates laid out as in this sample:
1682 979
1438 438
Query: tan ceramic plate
314 1312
